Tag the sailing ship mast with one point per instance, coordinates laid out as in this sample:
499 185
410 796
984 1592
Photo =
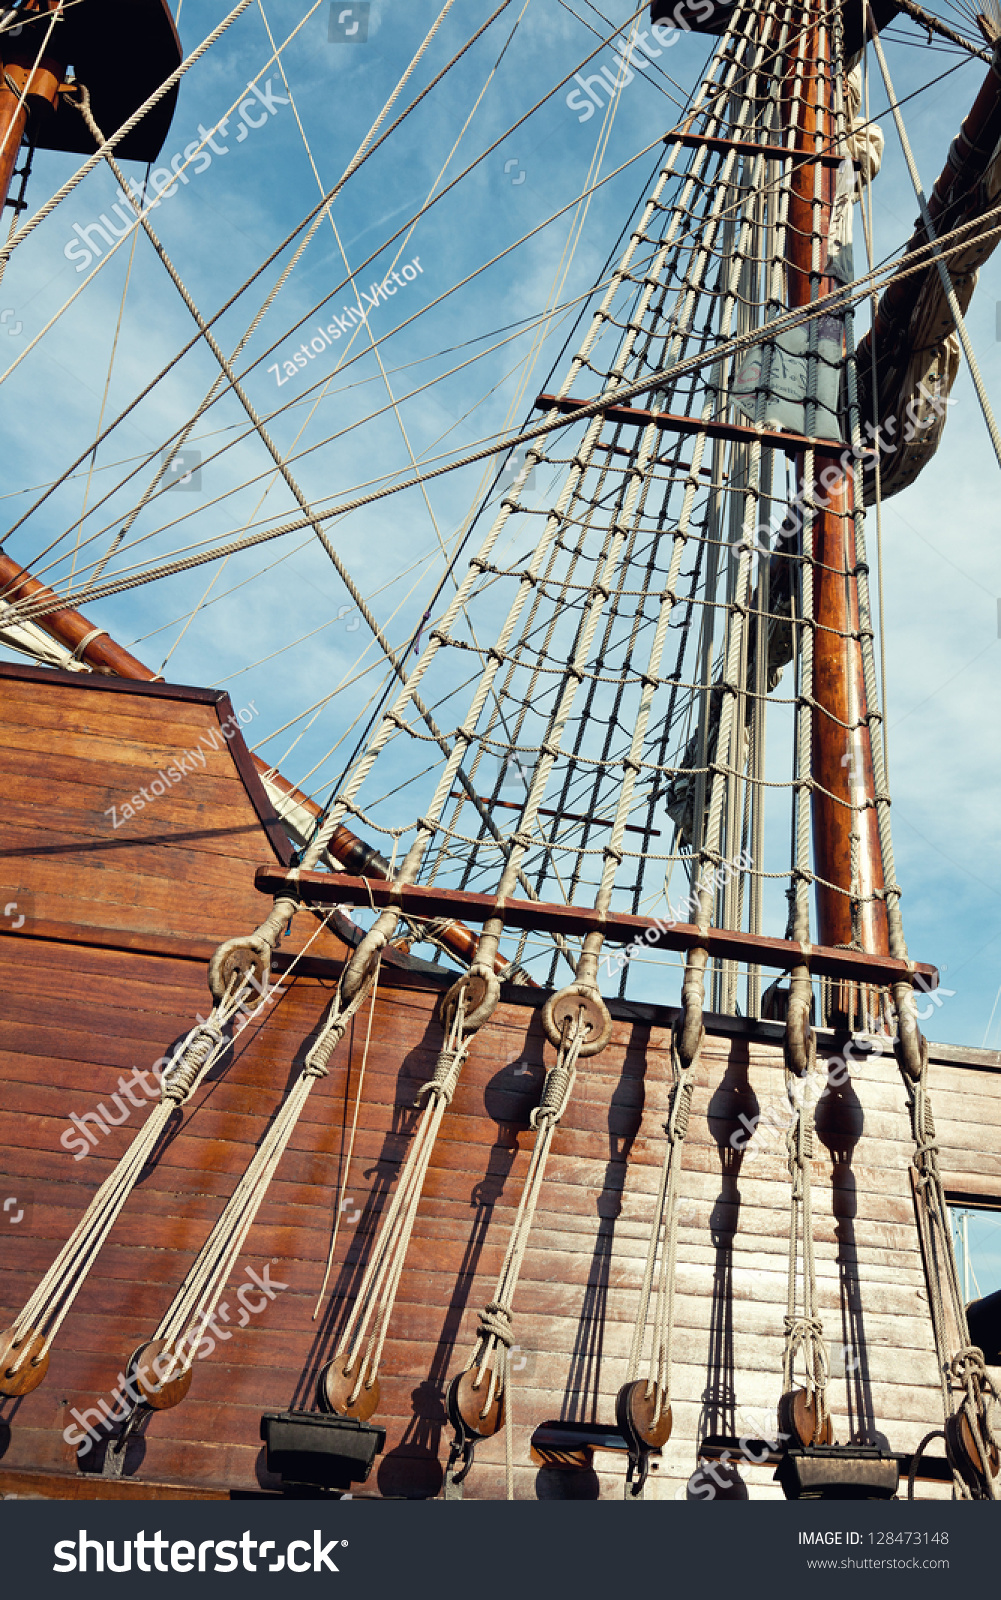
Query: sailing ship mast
639 626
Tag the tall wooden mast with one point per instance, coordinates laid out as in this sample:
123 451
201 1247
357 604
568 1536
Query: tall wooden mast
847 856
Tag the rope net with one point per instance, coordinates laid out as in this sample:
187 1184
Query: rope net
639 616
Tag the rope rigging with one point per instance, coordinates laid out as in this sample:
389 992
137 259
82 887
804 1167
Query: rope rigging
640 621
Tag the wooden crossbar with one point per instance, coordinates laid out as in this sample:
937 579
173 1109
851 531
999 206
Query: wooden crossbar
619 927
736 432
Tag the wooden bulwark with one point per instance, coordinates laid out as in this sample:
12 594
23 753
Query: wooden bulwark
82 1013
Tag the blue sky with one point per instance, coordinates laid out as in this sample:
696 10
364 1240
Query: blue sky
941 564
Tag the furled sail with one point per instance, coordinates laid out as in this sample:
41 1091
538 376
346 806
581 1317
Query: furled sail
909 362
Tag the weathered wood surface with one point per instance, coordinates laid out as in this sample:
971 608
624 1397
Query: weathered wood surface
79 1016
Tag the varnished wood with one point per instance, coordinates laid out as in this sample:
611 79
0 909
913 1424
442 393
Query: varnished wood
318 888
798 1420
22 1363
840 704
156 1369
78 1017
734 432
335 1388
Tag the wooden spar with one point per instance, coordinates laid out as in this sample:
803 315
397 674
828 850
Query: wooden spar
842 751
726 944
734 432
69 628
101 653
25 89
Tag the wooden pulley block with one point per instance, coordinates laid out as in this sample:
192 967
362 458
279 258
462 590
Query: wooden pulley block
466 1400
239 959
963 1446
335 1387
480 990
798 1419
145 1368
644 1417
22 1365
566 1007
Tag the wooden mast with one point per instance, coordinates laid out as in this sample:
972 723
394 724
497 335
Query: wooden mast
25 88
842 765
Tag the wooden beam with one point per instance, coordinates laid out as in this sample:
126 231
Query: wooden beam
774 152
736 432
726 944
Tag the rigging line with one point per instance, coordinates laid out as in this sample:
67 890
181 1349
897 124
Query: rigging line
310 218
394 405
84 106
298 548
764 188
104 397
21 19
631 61
54 17
422 561
116 138
539 339
943 271
216 455
926 20
462 283
477 512
351 1140
914 257
840 298
280 409
361 154
365 150
179 356
869 233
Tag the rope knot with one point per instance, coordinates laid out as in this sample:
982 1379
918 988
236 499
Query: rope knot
444 1078
188 1061
495 1323
318 1057
676 1126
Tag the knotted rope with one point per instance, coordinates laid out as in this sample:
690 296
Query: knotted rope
967 1389
368 1323
803 1330
665 1216
496 1324
47 1308
194 1305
